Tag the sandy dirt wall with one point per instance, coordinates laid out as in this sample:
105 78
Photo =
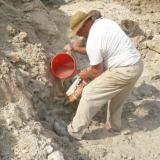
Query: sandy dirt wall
31 99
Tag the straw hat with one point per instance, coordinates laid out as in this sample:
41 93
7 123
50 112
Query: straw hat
77 21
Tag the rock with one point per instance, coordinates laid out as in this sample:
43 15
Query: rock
57 155
13 116
136 3
142 46
131 158
136 9
17 113
156 77
60 128
20 38
129 107
23 36
67 1
1 133
36 4
11 30
149 34
108 1
154 45
49 149
138 42
126 132
24 73
124 156
14 57
26 1
44 23
131 28
58 2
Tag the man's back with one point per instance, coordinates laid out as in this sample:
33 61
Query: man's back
108 43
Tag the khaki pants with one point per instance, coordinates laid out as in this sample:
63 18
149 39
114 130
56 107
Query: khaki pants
114 86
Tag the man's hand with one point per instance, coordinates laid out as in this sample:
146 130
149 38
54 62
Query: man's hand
84 75
77 92
75 46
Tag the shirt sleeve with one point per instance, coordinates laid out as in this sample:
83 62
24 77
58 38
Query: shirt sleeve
94 48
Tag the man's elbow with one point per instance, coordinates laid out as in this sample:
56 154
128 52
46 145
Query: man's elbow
97 69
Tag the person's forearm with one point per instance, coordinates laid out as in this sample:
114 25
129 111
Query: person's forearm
78 46
81 50
91 72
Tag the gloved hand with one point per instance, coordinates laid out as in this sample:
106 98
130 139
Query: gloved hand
77 92
75 89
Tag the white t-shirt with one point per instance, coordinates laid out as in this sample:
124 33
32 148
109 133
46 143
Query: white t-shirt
108 43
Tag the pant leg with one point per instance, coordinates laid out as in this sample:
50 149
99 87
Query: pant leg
94 96
115 108
97 93
83 116
115 105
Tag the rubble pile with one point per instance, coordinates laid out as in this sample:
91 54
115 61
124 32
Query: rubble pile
32 100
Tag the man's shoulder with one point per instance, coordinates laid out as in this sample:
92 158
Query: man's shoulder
104 23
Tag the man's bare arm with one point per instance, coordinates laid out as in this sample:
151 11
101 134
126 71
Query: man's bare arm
76 46
92 72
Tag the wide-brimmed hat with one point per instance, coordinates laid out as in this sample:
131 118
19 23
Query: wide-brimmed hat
77 21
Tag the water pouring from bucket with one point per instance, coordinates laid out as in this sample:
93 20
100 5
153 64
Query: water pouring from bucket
63 65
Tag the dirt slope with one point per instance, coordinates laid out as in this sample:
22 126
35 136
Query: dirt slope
31 99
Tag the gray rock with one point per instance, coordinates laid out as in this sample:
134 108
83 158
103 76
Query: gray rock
126 132
11 30
154 44
149 34
56 2
156 77
131 28
60 128
49 149
131 158
57 155
20 38
136 3
44 23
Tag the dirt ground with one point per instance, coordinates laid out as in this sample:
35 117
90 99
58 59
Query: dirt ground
31 99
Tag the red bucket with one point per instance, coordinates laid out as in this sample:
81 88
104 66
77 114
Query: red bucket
63 65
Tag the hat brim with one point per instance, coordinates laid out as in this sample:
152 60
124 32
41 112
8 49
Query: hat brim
73 32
